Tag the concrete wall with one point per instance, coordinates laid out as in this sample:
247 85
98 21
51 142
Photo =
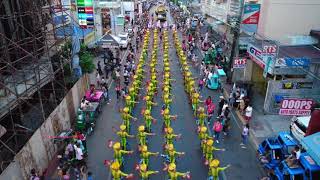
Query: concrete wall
283 18
275 88
40 149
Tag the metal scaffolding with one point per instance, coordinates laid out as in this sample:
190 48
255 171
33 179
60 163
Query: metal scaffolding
32 69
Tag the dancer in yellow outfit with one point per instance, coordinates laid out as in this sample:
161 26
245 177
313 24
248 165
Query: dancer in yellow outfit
195 102
118 153
203 136
214 169
149 103
126 118
208 150
169 136
167 118
167 101
123 136
142 135
117 174
173 173
130 103
172 153
144 173
148 119
201 116
145 155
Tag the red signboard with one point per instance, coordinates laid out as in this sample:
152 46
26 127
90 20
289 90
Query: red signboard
239 63
296 107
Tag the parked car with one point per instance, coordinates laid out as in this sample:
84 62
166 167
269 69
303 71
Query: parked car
298 127
124 40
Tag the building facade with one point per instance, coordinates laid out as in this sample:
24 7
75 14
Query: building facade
282 61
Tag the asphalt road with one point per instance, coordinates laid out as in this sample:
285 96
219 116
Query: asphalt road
243 162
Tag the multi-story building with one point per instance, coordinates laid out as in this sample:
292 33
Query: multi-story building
283 27
32 77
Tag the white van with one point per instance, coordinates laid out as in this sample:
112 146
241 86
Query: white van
124 40
298 126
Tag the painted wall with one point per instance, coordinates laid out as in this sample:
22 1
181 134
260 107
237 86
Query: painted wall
40 150
283 18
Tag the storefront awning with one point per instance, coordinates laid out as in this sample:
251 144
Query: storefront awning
109 41
309 52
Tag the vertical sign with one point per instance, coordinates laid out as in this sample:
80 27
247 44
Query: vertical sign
268 54
85 13
250 18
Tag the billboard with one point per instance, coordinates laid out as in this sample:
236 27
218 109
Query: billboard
250 18
85 13
296 107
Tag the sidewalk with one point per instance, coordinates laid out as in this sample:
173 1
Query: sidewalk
262 125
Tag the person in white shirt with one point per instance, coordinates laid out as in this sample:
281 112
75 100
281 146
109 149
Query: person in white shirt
79 154
248 113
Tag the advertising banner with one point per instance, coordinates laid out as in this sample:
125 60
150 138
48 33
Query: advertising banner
268 54
250 18
85 13
239 63
296 107
255 55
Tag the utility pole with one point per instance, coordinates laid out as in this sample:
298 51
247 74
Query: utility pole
236 34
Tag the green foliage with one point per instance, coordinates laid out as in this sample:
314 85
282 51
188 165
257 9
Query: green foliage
86 60
66 50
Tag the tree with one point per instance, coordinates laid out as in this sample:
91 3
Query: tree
86 60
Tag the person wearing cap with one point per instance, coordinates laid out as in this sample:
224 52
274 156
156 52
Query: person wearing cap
214 169
172 153
118 152
167 117
208 150
169 136
126 118
145 155
173 173
148 119
142 135
123 134
144 173
116 173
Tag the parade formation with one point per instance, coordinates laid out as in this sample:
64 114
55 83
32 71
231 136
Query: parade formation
155 81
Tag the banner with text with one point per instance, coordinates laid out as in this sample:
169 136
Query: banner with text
296 107
250 18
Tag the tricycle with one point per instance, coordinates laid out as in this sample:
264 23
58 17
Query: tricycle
275 149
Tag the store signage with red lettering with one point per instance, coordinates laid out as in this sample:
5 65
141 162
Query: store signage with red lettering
270 50
239 63
296 107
